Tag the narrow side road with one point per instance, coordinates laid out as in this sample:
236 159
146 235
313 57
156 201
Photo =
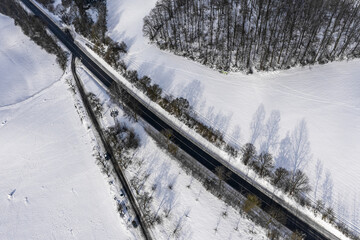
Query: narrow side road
109 150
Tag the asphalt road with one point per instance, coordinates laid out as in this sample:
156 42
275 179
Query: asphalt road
235 181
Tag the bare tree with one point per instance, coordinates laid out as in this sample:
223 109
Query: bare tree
145 200
264 164
280 177
95 104
327 189
248 153
257 124
328 214
300 147
318 174
271 132
298 184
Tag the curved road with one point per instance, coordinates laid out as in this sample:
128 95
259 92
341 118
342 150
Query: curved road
237 182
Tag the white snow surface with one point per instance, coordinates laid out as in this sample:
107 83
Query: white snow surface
51 187
20 65
327 96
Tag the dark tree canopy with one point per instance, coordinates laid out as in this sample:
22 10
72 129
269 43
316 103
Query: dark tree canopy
249 153
265 34
264 164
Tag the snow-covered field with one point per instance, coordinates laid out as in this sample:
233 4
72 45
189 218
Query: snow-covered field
51 187
327 96
197 211
21 65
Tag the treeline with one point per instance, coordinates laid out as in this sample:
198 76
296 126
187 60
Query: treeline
112 52
33 28
79 14
295 183
94 29
87 16
264 34
178 107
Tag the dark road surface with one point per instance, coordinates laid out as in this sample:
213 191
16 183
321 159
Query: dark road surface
237 182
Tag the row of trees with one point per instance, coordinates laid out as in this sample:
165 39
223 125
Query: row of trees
265 34
80 14
296 183
179 107
287 167
293 150
33 28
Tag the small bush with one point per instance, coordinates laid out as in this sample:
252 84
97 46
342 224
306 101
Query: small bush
297 235
251 202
